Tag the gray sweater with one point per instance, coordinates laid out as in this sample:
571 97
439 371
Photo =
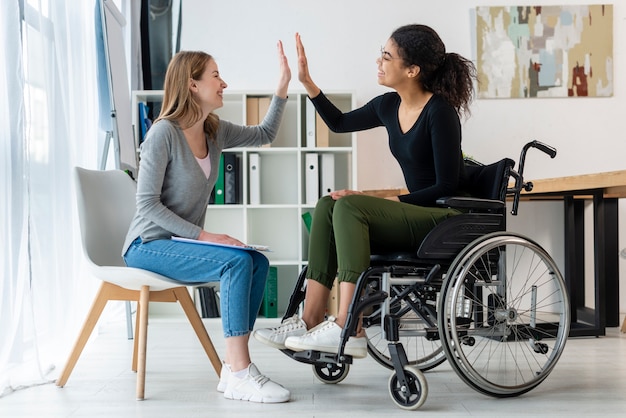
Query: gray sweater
172 190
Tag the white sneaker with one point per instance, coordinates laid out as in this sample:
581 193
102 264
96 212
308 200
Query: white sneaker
224 375
326 337
255 387
275 337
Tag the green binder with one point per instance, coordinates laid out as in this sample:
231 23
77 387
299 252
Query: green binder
269 306
219 185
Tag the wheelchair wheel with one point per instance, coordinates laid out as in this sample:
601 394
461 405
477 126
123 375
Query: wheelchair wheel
422 352
411 394
503 314
331 373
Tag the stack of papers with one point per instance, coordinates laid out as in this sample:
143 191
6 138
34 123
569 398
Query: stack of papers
247 247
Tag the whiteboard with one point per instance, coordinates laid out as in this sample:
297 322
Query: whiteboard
121 127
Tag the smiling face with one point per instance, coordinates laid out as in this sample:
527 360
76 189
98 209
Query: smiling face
391 68
209 87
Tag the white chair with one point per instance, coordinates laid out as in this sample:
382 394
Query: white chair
106 204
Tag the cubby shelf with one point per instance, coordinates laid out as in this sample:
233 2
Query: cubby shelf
276 219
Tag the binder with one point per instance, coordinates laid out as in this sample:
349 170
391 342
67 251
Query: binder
309 124
144 121
327 174
264 105
307 218
202 299
219 184
252 111
208 302
322 135
311 177
255 179
232 178
269 306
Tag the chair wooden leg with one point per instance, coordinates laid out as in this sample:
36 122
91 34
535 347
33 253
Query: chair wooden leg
142 313
624 325
133 366
196 322
92 318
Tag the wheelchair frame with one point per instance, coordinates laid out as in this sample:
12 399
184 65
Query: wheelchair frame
491 302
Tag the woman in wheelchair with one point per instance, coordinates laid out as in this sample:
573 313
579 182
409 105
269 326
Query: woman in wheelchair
432 91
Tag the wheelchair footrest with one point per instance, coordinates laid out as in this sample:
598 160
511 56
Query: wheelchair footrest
311 356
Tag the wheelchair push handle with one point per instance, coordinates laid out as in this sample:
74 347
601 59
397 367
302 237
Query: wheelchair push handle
519 176
551 151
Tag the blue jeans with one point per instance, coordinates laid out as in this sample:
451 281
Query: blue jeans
242 275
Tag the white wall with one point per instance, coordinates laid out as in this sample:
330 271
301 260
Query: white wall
342 40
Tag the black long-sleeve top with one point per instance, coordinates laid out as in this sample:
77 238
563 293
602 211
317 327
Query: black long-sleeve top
429 153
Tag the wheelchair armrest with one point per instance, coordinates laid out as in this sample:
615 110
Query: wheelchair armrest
462 202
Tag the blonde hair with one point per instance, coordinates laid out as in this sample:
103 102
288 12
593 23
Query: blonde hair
179 104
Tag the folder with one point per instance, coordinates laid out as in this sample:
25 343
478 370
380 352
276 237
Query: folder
309 124
311 178
218 191
269 306
327 174
255 179
322 135
232 178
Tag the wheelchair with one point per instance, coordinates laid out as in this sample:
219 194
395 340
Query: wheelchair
492 303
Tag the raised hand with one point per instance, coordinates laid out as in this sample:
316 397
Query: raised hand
285 72
303 69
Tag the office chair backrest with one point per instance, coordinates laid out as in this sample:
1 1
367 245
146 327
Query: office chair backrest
106 205
489 181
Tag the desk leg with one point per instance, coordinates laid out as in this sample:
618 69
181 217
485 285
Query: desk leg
606 259
575 264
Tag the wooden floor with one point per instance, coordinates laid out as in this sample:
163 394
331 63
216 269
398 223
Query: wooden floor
589 380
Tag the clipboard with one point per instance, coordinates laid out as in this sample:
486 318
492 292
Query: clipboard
247 247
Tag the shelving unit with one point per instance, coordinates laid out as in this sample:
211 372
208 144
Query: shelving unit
277 220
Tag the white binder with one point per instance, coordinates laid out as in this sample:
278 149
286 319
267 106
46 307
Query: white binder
309 124
327 174
255 179
311 177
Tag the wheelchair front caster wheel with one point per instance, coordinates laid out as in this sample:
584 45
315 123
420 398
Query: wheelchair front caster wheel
412 393
330 372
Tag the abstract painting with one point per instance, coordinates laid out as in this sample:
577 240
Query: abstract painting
545 51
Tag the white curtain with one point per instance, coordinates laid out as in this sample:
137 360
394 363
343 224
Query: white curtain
48 125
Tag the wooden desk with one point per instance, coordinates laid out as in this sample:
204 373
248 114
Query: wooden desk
604 190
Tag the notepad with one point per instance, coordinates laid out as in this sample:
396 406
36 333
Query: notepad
247 247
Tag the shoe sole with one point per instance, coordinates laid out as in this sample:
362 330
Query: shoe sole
246 397
271 343
351 351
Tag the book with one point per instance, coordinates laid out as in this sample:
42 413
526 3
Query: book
247 247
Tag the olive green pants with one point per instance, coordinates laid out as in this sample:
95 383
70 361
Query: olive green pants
345 232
